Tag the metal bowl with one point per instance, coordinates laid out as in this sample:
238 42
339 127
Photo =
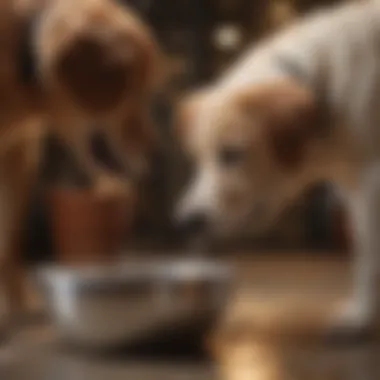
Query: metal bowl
107 306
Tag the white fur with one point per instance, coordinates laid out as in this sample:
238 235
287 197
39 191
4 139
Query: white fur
338 52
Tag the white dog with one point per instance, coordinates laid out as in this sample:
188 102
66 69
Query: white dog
302 107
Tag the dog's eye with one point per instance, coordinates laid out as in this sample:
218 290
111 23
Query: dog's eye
229 156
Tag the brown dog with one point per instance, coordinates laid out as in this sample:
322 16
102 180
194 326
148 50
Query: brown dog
73 66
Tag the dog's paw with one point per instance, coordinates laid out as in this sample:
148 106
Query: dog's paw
351 324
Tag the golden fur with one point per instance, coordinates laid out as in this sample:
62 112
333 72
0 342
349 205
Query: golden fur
95 65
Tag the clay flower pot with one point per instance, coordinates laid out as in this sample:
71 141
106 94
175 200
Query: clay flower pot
342 230
89 227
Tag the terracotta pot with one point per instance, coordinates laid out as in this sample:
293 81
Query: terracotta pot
88 228
342 229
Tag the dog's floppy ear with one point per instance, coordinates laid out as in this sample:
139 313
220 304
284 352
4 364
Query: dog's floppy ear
287 114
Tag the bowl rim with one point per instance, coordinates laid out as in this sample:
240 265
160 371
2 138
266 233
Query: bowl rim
129 273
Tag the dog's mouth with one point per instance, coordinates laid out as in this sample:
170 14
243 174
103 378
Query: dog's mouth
96 76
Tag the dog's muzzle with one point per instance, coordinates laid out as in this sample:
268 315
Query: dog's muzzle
94 74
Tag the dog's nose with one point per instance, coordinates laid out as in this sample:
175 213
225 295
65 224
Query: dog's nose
194 224
94 72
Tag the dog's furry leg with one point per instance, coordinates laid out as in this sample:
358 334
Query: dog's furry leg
6 278
18 172
362 312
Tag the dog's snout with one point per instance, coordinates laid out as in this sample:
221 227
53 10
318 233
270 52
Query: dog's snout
96 74
194 223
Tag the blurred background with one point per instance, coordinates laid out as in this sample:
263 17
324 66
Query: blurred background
66 224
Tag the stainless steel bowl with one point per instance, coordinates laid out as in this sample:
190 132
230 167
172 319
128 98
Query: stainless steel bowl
110 305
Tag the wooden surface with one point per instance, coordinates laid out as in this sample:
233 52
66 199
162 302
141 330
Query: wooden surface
286 297
279 315
271 331
34 354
